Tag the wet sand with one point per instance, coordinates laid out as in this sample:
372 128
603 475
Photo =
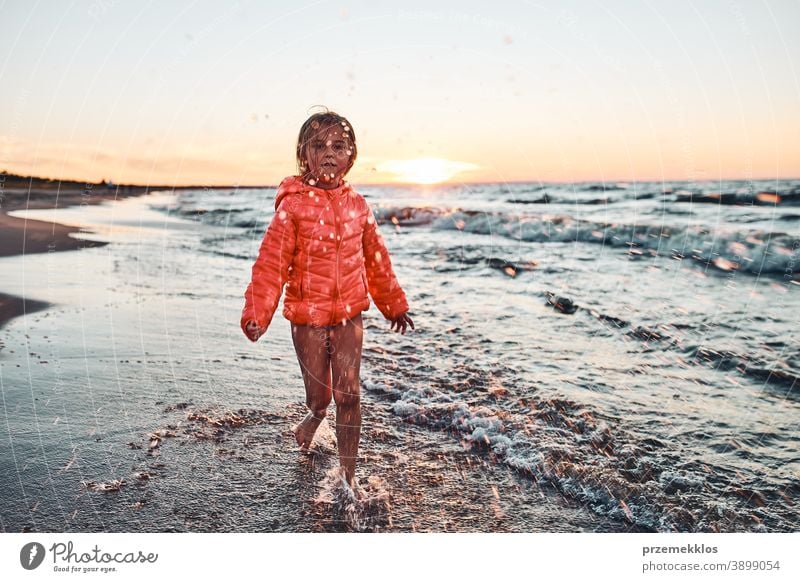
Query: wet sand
20 236
12 306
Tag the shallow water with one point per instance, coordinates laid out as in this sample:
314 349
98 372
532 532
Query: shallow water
667 401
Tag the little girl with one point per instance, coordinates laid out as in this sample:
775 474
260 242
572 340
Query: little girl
324 241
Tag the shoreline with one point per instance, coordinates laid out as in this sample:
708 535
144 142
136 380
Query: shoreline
20 236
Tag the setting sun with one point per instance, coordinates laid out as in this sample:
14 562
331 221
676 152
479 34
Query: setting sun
425 170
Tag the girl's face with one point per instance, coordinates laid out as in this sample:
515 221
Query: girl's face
327 155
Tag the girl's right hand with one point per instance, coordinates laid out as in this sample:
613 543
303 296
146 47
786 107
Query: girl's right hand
253 331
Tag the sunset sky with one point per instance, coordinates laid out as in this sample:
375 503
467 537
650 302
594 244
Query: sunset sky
214 93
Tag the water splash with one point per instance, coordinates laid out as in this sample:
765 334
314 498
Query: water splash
362 508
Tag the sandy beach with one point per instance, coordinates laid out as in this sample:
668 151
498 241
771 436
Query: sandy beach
22 236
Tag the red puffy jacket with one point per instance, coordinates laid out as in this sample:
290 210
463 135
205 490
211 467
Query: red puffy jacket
326 245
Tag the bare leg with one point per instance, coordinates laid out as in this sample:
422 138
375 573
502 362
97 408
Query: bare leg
346 342
312 346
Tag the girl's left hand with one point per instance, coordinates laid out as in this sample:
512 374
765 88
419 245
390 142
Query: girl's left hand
402 323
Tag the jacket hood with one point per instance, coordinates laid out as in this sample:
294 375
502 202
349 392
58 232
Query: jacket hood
292 184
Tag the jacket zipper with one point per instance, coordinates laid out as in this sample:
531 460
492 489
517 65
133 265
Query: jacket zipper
336 262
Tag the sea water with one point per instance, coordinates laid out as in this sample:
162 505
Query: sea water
664 399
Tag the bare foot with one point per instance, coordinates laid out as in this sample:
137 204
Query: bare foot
357 489
304 432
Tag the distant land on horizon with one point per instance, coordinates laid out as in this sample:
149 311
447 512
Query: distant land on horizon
8 180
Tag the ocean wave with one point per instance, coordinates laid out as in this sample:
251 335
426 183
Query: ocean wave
247 218
781 375
751 251
561 443
725 194
408 215
741 197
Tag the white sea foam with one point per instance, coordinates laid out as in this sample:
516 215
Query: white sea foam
367 508
579 461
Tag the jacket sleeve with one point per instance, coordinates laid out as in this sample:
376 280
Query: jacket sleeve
386 292
271 269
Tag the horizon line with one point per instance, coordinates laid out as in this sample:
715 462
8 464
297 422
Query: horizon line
416 184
